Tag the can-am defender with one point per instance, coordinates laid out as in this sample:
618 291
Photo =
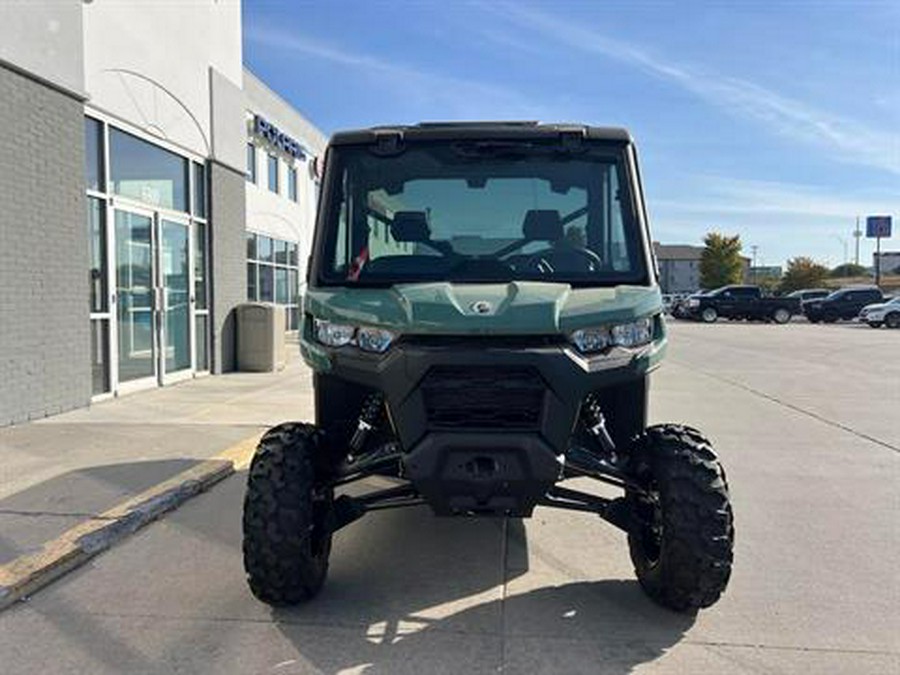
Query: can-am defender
481 318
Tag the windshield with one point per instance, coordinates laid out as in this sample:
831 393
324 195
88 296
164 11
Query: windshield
480 212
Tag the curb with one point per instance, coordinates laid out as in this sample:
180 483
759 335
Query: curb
26 574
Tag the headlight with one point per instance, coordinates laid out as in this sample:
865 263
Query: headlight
633 334
334 334
591 339
374 339
693 302
367 338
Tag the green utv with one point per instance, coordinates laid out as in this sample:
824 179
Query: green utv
481 319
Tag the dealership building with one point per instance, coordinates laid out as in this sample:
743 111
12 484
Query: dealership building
150 184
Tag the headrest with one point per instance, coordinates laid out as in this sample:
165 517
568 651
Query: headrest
410 226
542 225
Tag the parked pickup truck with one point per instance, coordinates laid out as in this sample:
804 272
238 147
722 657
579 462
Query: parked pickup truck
742 302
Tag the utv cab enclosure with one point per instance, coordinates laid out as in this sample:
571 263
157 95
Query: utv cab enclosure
481 318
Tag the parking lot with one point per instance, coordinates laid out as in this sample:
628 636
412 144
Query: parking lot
806 421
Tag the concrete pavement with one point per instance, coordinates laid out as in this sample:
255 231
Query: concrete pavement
798 415
71 484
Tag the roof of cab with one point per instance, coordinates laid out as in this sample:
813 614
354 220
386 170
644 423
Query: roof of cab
479 130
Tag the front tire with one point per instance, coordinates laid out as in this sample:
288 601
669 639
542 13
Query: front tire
781 315
709 315
287 540
683 549
874 324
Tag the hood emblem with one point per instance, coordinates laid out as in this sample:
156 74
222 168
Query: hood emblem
481 307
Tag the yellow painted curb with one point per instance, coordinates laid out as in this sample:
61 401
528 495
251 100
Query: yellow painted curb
27 573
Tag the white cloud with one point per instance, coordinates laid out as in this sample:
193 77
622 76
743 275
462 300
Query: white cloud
847 139
456 97
719 195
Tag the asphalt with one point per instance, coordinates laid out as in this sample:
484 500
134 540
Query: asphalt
804 418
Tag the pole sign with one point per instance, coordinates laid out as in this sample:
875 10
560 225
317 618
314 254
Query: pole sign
265 129
878 226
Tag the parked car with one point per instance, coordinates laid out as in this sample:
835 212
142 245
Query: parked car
668 301
845 304
882 314
680 305
809 294
742 302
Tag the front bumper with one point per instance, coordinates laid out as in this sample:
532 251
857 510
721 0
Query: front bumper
483 423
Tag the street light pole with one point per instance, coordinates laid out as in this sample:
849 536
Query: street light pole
857 233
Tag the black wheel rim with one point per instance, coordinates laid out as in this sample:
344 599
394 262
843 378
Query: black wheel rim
651 532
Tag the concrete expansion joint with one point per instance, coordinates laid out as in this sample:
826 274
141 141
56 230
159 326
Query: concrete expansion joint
790 406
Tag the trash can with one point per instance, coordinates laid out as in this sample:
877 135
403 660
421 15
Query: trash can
260 338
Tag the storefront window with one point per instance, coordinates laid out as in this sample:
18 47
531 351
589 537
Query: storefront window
99 356
292 287
201 324
146 172
264 248
93 155
96 222
200 293
252 286
292 183
251 246
199 190
281 251
266 283
281 285
273 173
273 274
251 163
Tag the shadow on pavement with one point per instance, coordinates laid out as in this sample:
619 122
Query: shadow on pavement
584 627
411 593
43 511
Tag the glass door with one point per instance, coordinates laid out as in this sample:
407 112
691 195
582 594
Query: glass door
175 292
136 299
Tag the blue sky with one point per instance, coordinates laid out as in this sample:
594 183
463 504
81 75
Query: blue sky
779 121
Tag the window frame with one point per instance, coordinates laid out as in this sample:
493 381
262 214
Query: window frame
286 267
628 190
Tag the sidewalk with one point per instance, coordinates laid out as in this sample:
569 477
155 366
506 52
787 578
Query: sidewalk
59 472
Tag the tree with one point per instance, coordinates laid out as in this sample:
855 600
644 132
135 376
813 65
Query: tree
769 285
803 272
721 263
849 270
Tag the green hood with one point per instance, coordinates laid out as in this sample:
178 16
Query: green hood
519 307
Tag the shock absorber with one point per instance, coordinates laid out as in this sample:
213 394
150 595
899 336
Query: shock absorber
369 418
595 423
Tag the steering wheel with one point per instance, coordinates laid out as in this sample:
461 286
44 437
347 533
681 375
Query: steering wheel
543 261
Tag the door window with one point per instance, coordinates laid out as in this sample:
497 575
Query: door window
134 287
174 280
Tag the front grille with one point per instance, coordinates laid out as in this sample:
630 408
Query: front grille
483 397
484 341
